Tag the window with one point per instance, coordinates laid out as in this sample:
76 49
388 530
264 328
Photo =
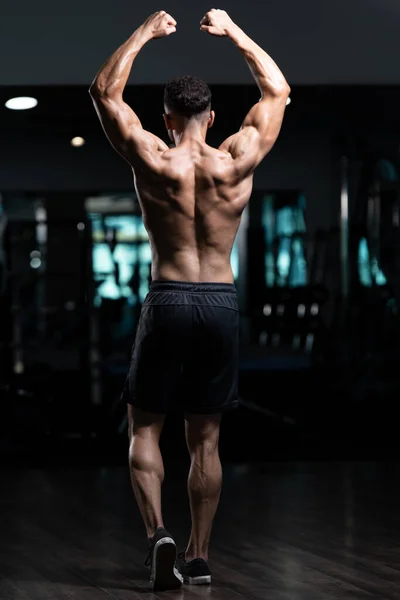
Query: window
284 227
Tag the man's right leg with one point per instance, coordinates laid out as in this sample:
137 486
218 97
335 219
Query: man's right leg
205 480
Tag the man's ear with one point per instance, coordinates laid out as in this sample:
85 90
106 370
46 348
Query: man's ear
167 121
211 119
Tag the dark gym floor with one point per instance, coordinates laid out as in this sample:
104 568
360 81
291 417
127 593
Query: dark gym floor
284 531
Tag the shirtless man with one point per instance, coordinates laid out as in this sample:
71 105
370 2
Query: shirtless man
186 347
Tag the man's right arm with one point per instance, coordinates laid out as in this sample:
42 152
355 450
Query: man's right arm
262 125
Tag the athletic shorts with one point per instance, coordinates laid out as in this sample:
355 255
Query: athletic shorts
186 350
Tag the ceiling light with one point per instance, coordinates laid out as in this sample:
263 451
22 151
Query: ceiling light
77 142
35 263
21 103
288 101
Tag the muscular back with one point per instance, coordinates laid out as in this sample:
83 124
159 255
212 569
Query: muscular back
191 196
192 200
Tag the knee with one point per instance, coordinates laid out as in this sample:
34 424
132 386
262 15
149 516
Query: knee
137 452
132 453
144 454
204 448
202 434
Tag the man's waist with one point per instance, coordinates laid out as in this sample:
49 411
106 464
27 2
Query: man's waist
195 287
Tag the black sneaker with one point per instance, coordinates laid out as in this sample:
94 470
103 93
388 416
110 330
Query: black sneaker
161 559
195 572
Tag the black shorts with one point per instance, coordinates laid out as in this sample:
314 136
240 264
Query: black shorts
186 350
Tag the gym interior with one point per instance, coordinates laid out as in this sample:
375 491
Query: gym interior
309 507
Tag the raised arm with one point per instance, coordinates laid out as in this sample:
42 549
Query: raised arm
121 125
262 125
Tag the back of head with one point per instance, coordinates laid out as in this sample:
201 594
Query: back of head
187 96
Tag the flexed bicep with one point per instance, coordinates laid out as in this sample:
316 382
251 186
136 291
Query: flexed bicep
261 127
120 123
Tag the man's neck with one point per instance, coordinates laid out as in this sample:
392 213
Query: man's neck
193 132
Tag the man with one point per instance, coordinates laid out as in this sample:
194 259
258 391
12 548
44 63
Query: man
192 197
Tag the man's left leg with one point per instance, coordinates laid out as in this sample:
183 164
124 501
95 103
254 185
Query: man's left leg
147 475
146 465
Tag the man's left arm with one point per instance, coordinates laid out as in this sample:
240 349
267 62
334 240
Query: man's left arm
120 123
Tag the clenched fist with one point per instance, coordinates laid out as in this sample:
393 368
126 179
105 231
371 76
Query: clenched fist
217 22
159 25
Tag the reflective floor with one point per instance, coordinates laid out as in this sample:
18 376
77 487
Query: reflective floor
284 531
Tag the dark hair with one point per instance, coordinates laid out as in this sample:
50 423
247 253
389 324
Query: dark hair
187 96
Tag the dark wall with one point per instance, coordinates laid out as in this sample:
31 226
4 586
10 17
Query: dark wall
314 41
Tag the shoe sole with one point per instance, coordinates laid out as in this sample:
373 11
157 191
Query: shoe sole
201 580
165 576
